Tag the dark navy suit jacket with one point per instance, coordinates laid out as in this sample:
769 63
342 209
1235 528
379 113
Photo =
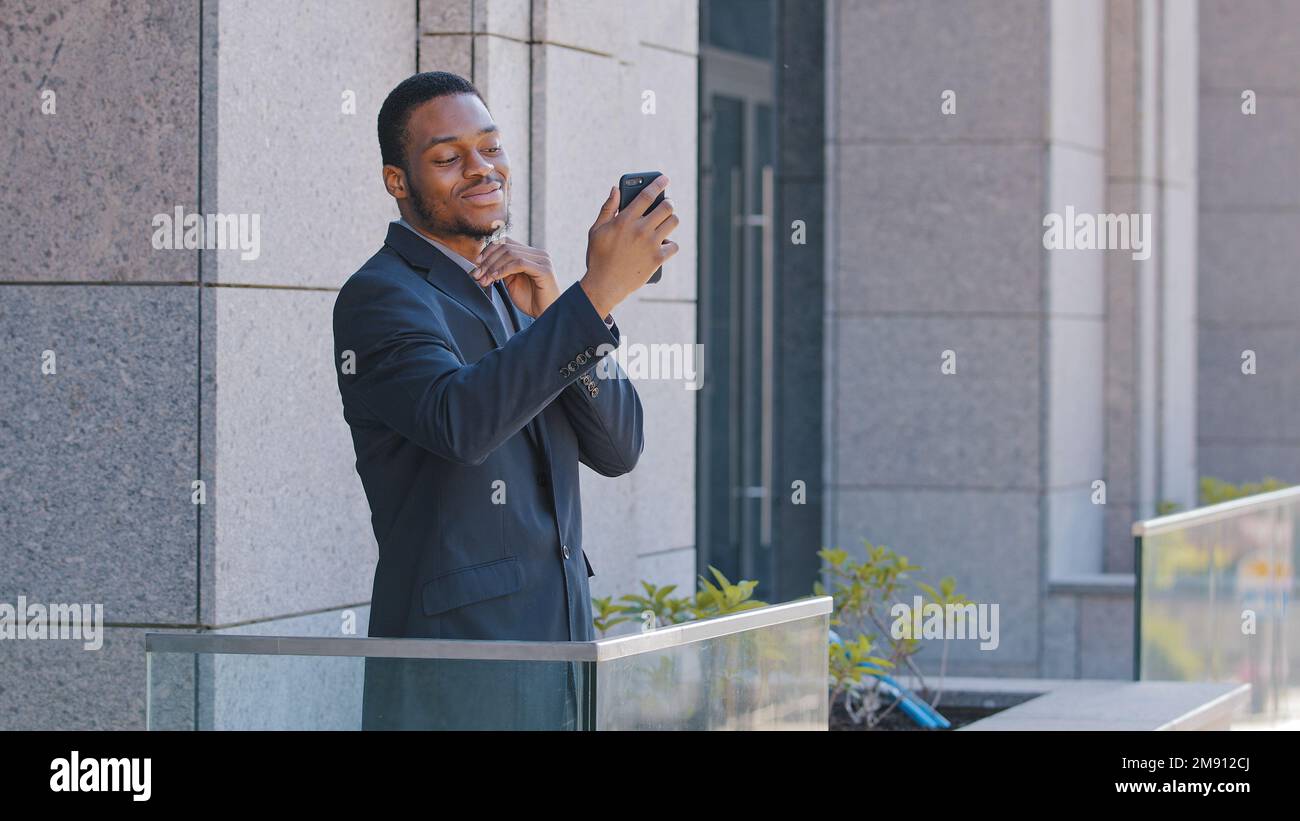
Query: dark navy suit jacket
449 419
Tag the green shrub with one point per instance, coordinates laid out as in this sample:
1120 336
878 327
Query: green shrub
710 600
1214 491
863 593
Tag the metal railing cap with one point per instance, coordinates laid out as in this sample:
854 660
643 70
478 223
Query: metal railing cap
1214 513
416 648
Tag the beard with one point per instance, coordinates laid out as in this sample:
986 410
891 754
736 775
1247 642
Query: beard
436 221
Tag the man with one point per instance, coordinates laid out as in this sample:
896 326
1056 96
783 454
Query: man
469 382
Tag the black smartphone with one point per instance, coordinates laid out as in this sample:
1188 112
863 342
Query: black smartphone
629 185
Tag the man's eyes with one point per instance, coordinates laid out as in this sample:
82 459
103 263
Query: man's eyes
496 149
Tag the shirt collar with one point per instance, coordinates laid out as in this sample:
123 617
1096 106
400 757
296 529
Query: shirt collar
452 255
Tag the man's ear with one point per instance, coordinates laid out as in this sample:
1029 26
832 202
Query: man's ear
395 181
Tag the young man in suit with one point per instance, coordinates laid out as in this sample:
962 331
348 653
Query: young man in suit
470 383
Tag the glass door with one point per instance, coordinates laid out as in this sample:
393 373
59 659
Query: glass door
736 308
761 292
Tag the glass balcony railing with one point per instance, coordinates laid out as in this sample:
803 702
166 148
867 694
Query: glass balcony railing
759 669
1214 593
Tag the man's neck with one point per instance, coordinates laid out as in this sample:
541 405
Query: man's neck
468 247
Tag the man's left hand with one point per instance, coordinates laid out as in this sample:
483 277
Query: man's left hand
526 271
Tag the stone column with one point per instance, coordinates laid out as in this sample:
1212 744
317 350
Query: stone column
584 92
1249 425
957 128
177 364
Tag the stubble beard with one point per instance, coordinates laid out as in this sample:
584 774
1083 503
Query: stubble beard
435 221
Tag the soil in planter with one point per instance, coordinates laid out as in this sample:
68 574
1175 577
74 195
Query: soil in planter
898 720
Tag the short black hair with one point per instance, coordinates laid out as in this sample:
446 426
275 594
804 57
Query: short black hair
395 113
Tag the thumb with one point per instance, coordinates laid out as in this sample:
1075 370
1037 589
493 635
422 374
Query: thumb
607 208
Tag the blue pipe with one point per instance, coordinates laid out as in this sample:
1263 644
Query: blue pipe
912 706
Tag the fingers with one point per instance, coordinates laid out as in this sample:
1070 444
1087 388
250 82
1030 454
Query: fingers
498 250
503 269
502 260
487 262
642 202
495 253
667 250
662 216
656 219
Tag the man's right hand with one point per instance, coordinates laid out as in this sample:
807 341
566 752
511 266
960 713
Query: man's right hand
624 248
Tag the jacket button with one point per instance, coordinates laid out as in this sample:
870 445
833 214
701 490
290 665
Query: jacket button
564 550
591 352
541 479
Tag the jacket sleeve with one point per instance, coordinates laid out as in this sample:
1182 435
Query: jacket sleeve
409 377
605 411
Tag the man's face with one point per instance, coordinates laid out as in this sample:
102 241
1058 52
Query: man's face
458 174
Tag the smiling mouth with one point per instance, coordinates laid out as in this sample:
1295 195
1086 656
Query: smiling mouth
487 197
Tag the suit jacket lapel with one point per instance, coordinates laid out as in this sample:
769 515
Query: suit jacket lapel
452 280
447 277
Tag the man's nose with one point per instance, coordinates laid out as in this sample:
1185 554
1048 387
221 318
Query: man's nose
480 167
